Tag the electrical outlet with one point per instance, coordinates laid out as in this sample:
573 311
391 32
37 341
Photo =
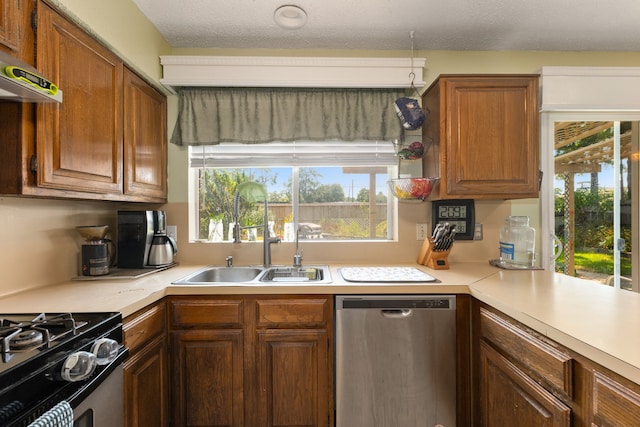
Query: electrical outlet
422 231
477 232
172 231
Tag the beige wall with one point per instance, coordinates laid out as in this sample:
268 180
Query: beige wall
38 243
121 24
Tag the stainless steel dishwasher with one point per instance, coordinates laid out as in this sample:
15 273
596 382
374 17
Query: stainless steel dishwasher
395 360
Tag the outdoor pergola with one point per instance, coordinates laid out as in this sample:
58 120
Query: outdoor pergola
583 160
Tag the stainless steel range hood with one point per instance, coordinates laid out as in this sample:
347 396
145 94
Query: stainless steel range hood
24 90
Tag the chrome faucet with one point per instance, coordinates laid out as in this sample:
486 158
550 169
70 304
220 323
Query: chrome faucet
297 258
267 240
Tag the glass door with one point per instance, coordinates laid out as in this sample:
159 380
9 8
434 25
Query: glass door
595 200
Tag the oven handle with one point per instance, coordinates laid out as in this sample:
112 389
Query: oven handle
98 377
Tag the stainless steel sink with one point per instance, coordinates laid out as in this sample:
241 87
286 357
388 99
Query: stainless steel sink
315 274
213 275
254 275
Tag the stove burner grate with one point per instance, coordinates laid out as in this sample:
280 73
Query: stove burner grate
19 336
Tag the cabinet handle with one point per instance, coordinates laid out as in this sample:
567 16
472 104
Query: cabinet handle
397 314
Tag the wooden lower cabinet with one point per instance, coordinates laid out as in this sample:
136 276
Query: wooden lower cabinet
145 383
292 381
525 379
510 397
207 380
146 393
614 404
252 361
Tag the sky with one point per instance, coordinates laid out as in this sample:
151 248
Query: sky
605 179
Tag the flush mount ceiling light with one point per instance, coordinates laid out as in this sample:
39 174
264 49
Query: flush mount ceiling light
290 17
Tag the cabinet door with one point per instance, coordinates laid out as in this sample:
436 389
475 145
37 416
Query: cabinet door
293 378
484 131
9 20
509 397
79 142
613 403
145 386
145 147
207 383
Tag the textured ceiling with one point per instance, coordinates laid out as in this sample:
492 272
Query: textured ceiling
581 25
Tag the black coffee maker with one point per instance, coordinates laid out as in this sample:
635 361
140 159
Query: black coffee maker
143 241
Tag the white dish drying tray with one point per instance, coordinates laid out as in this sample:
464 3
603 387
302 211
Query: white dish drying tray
385 274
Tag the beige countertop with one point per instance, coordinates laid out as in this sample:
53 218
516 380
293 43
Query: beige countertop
595 320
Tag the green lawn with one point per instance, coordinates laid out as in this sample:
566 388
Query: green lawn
598 263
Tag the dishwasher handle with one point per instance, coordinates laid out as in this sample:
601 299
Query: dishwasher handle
396 313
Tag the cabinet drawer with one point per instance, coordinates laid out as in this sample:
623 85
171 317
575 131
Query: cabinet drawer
143 326
187 313
543 362
284 313
613 403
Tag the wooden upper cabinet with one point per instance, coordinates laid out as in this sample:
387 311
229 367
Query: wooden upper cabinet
17 37
84 148
10 19
145 147
481 136
79 142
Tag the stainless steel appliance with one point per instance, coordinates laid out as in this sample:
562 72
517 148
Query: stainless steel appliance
395 361
142 240
55 361
163 247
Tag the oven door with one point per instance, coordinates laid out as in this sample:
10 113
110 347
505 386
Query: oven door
104 406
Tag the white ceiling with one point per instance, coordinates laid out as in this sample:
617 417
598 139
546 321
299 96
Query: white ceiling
580 25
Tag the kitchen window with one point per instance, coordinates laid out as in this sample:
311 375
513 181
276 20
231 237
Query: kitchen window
328 190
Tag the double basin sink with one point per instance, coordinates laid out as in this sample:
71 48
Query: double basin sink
255 275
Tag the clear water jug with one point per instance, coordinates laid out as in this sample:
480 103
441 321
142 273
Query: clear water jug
517 242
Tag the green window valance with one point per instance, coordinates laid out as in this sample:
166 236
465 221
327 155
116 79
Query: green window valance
209 116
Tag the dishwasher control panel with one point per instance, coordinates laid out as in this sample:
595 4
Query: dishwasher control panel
437 302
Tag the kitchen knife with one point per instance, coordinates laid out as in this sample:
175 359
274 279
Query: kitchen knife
437 239
442 238
450 238
437 230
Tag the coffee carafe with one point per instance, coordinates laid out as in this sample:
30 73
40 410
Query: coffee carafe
163 247
97 250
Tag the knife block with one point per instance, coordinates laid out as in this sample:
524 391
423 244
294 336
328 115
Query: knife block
438 260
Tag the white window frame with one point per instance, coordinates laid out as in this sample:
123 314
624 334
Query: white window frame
579 94
294 154
582 94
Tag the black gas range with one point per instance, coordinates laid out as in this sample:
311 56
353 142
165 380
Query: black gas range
50 358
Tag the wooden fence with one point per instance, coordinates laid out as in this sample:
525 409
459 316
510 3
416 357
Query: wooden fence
331 217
